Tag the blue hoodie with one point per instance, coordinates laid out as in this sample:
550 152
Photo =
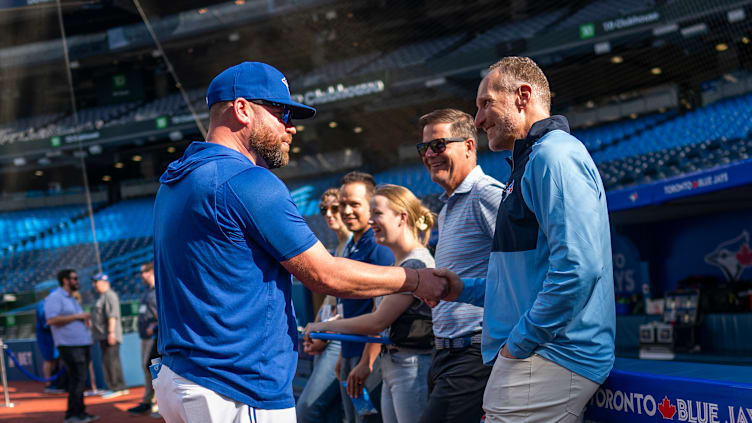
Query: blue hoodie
550 287
221 228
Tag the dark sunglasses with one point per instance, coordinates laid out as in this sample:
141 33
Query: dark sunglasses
437 146
285 116
323 209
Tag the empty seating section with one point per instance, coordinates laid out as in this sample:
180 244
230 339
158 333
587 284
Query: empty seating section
599 10
411 54
18 225
602 136
726 119
509 31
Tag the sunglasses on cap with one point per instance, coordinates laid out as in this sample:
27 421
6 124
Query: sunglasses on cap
285 116
333 208
437 146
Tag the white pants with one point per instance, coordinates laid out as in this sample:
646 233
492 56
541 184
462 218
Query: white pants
182 401
535 389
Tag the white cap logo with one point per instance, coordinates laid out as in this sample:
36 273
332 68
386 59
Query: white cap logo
284 81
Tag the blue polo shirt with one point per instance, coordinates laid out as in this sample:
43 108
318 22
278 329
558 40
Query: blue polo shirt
367 251
71 334
226 322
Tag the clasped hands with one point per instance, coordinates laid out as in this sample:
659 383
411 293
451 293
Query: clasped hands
437 284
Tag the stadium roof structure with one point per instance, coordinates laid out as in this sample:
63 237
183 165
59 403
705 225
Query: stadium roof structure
371 68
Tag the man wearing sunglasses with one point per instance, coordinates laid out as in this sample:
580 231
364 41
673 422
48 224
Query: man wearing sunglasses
70 331
466 225
227 237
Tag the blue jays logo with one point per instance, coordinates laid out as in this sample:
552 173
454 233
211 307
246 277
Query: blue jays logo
732 256
508 191
284 81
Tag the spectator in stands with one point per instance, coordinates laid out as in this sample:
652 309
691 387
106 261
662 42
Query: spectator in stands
69 324
107 329
320 400
357 360
549 302
227 236
50 355
147 330
401 223
466 224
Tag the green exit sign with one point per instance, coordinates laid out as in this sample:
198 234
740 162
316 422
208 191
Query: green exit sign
161 122
118 81
55 141
587 31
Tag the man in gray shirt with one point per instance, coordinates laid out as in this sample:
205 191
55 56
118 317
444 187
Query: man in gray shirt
69 324
107 329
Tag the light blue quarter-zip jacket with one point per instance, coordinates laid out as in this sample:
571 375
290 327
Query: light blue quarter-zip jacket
549 288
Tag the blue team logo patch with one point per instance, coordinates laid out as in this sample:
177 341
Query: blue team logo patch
508 191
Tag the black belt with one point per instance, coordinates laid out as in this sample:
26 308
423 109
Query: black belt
457 343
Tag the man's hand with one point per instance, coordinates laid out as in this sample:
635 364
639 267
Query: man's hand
431 288
314 346
111 339
455 284
357 378
86 317
505 353
337 367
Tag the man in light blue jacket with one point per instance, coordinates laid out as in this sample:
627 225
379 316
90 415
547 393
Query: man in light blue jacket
549 322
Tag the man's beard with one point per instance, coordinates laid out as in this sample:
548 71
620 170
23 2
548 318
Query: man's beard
268 147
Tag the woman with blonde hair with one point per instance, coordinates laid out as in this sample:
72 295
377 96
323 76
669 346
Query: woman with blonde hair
401 223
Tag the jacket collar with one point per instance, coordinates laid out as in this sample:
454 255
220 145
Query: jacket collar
537 131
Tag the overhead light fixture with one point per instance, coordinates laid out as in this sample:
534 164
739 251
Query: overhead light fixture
202 10
240 2
119 165
617 59
19 161
656 71
358 129
170 149
745 40
721 47
137 158
234 36
300 128
296 149
332 124
38 173
106 178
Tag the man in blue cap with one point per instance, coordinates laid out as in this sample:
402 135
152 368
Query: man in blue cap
227 237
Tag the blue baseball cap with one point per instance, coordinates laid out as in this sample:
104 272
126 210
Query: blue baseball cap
255 81
100 277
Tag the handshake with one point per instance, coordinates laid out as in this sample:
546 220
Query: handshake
437 284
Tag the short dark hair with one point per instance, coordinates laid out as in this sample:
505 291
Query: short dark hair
64 274
461 123
149 265
360 177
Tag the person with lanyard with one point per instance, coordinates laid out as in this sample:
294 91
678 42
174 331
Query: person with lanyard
320 400
401 223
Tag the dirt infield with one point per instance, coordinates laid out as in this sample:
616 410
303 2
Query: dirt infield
34 406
